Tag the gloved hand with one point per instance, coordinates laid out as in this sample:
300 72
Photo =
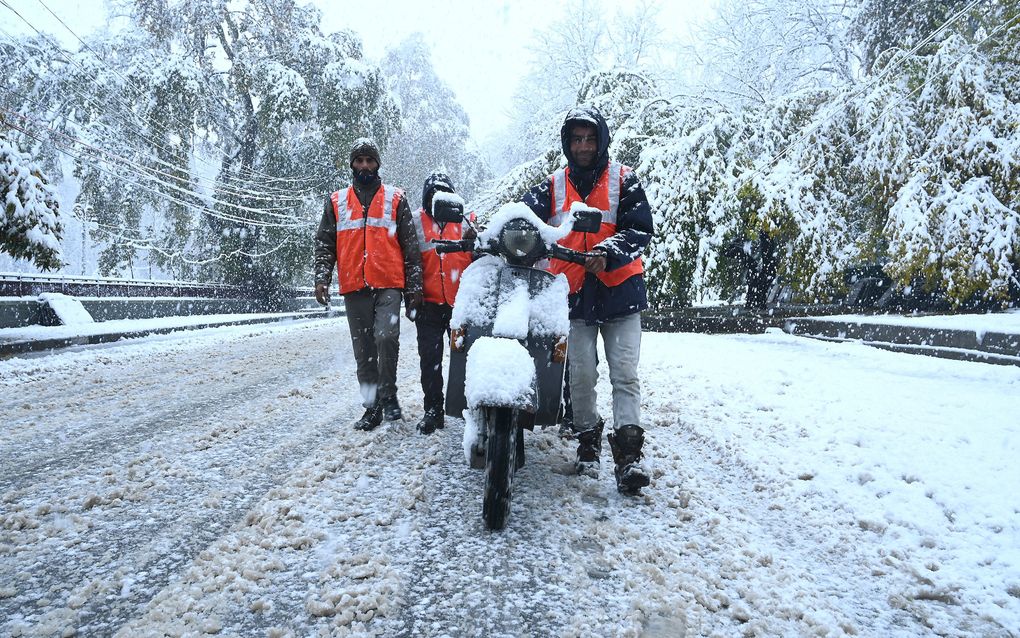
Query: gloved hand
412 304
470 233
597 262
322 293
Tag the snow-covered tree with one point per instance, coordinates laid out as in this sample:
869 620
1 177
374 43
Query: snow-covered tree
883 25
433 132
758 50
956 220
592 37
205 132
617 94
30 227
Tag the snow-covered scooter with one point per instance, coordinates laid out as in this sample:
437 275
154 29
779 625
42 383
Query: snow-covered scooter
508 340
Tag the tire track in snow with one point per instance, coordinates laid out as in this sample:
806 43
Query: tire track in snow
108 533
95 423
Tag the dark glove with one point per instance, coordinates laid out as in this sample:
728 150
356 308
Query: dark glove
412 304
596 263
470 233
322 293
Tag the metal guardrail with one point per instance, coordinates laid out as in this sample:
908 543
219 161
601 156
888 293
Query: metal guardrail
107 298
23 285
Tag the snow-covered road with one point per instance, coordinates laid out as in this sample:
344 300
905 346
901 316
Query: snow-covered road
211 483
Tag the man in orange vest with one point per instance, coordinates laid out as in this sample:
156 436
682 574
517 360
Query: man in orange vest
607 293
441 281
367 232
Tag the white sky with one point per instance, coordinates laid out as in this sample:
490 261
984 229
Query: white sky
480 48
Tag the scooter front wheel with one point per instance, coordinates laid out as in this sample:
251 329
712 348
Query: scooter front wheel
500 464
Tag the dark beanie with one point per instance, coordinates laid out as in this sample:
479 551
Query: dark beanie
365 146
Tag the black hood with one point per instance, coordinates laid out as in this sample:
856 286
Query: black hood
435 182
591 116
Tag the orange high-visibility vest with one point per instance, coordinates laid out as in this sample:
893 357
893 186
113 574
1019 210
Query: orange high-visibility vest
606 197
441 271
368 254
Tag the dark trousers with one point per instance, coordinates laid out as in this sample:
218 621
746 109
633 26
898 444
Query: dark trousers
374 320
433 324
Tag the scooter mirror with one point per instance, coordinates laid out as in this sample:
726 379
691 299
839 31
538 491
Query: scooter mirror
587 221
447 211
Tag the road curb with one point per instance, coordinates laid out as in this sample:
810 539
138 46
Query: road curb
14 348
966 345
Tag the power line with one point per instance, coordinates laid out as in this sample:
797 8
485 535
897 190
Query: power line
152 173
117 233
213 184
202 209
127 108
128 81
144 171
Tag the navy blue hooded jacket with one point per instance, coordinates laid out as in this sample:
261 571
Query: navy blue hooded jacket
595 302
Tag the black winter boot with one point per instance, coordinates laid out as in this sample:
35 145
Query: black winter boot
589 448
626 444
432 421
391 409
370 420
567 428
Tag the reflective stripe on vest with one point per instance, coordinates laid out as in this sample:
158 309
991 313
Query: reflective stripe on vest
612 204
605 196
441 273
367 249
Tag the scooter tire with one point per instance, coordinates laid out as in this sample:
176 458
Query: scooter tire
500 465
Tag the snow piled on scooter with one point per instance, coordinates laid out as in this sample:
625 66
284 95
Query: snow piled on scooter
476 298
545 313
499 372
518 210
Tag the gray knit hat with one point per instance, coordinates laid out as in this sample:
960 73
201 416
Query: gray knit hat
365 146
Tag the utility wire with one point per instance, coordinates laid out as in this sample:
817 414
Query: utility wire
127 108
202 209
129 81
142 172
141 243
156 175
212 184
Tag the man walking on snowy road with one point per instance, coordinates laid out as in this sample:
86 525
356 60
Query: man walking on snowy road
366 231
441 281
607 293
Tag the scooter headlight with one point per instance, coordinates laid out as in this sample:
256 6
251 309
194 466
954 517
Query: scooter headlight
520 242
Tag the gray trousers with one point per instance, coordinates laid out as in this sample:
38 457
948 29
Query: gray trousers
374 319
621 338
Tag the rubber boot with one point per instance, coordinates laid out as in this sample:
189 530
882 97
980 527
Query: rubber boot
589 448
626 444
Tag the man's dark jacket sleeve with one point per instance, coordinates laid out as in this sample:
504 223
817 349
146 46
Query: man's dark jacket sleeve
408 238
539 199
325 246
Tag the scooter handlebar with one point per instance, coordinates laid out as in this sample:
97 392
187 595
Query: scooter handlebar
454 245
568 254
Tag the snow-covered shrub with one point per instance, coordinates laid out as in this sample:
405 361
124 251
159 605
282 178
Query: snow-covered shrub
30 228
